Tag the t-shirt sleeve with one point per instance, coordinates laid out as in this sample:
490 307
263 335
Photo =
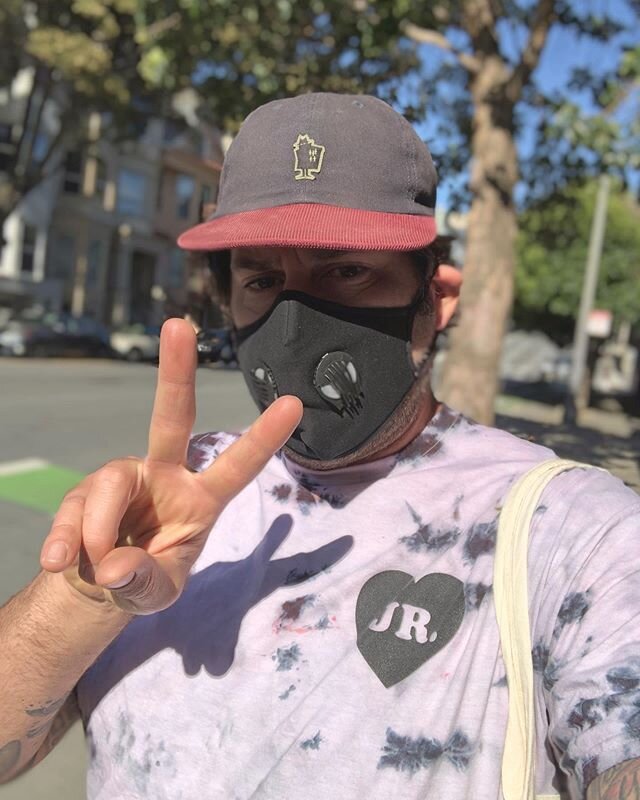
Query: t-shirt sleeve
586 623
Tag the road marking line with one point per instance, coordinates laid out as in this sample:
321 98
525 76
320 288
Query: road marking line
22 465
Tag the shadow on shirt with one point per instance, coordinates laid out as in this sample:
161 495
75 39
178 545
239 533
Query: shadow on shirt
204 623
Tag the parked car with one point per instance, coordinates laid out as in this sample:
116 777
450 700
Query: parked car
611 373
55 335
215 344
137 342
556 368
18 336
526 355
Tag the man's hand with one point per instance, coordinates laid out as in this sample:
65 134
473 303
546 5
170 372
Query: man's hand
130 532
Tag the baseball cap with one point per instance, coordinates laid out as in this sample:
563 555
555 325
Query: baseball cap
323 170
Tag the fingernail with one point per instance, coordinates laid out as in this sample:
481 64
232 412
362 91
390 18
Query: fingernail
56 553
122 582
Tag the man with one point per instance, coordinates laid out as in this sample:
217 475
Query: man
334 635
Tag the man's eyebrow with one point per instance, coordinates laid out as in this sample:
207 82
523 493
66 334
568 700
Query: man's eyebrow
256 264
252 264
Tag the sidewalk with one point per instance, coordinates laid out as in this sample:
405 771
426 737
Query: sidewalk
608 439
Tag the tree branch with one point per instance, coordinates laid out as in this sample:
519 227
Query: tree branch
19 168
45 89
34 177
424 36
65 125
156 29
623 93
544 16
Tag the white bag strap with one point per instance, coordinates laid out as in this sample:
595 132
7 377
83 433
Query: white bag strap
511 598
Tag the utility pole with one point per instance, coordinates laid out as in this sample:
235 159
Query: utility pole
581 336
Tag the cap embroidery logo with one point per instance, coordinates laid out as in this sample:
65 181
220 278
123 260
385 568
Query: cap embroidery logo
308 158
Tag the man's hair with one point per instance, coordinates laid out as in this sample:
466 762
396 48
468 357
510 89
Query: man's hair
425 262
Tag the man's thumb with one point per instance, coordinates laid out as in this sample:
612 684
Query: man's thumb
137 582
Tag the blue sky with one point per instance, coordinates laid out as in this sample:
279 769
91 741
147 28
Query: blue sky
563 52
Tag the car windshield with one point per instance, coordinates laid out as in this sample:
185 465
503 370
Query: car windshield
138 328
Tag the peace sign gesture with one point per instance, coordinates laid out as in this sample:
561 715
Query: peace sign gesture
130 532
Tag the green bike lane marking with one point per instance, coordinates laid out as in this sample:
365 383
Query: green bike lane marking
36 484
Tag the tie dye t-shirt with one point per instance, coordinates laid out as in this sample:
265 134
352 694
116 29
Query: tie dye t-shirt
337 637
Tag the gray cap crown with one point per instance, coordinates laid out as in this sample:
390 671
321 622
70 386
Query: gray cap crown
352 151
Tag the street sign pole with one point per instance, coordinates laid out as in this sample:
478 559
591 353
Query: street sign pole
581 336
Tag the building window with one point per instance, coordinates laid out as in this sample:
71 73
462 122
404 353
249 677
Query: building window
171 130
94 259
40 147
176 268
197 141
7 148
28 248
101 178
185 188
131 191
206 201
61 256
159 190
73 172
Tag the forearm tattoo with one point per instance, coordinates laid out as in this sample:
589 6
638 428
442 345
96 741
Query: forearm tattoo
49 708
43 715
53 719
618 783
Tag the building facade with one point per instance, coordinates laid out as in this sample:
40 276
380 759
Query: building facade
98 238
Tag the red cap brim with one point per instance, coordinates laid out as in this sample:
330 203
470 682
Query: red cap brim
312 225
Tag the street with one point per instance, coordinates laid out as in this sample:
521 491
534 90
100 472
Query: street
69 417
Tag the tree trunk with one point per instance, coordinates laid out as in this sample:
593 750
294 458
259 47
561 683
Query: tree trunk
470 377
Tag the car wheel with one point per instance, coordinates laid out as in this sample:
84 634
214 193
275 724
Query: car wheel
135 355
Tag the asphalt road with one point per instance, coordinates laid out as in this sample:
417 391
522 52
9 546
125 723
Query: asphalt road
76 415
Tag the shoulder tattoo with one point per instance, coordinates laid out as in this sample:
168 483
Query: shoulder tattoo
621 782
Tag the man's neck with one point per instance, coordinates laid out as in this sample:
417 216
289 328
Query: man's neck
423 416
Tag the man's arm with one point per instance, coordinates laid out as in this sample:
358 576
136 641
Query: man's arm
621 782
57 727
49 636
130 533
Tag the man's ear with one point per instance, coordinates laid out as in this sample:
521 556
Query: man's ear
445 285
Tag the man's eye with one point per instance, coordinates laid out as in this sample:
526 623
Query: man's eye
349 272
261 284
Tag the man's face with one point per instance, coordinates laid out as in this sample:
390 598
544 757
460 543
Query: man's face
363 279
351 278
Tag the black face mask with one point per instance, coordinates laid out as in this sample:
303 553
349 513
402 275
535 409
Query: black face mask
350 367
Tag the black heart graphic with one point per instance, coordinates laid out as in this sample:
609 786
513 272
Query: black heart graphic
401 623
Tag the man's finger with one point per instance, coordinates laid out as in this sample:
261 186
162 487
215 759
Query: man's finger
112 488
140 583
62 544
241 462
174 408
